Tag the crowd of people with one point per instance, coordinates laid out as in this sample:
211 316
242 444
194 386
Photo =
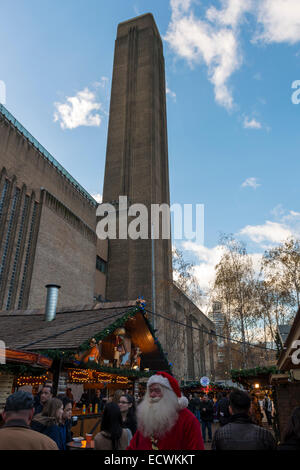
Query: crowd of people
163 420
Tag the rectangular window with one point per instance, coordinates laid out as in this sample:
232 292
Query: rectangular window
101 265
8 233
17 254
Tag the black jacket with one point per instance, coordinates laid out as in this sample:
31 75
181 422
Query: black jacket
130 423
223 413
194 404
290 444
206 411
242 434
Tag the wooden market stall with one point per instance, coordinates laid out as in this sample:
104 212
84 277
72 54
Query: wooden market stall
106 346
287 384
19 368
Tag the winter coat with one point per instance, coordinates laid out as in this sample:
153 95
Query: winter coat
16 435
292 443
223 413
130 423
184 435
103 440
48 426
207 411
242 434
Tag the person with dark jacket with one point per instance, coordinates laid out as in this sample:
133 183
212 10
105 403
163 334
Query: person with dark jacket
16 434
241 433
66 421
291 438
195 404
49 420
127 408
42 398
207 416
97 400
223 414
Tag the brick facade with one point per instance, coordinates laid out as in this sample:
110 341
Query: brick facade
47 226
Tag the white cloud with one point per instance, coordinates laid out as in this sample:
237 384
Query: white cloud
97 197
102 82
251 183
212 37
213 40
273 232
251 124
204 268
279 21
171 93
78 110
208 258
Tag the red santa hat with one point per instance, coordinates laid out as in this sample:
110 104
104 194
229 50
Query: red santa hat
166 380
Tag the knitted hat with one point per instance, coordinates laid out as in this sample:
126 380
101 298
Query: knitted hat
166 380
19 400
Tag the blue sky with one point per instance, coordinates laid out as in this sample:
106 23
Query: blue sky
233 131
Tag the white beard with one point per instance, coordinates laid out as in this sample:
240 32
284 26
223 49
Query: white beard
157 416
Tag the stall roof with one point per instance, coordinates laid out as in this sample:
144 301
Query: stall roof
24 357
283 331
285 361
74 326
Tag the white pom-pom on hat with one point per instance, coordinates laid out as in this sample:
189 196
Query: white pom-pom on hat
183 402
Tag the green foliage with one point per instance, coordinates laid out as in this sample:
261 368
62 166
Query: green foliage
111 328
22 369
247 373
66 354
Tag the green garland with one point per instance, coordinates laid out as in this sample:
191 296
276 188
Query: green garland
68 354
57 353
198 385
246 373
22 369
109 330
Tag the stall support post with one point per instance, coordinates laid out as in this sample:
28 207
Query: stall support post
57 366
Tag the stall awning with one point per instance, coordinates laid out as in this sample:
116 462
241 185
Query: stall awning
290 355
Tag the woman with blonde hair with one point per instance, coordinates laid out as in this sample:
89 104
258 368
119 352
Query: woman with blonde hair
49 420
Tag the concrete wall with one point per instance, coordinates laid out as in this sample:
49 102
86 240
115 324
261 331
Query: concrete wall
191 349
65 256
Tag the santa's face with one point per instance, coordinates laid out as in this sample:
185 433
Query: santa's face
155 393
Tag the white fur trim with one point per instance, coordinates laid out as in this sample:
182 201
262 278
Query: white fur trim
159 379
183 402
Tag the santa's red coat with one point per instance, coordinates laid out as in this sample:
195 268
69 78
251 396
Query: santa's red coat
184 435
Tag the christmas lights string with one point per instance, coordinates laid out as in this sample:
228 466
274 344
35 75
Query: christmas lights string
209 333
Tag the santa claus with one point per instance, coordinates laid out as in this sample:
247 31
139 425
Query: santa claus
164 422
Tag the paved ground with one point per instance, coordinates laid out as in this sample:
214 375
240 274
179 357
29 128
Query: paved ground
207 445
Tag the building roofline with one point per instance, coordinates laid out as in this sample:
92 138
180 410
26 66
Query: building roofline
46 154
